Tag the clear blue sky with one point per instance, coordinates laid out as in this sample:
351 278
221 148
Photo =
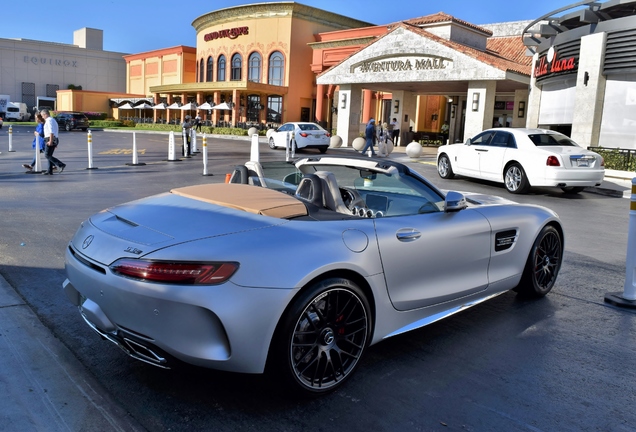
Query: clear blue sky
133 26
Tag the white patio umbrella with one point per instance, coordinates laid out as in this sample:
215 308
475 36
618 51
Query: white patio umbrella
126 106
221 106
143 106
174 105
205 106
160 106
189 106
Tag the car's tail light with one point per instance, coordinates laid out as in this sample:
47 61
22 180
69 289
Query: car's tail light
175 272
602 161
553 161
328 134
304 134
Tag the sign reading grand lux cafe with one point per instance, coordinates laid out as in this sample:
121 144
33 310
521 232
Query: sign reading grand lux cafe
402 64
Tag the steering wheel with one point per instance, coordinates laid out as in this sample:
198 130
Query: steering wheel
351 198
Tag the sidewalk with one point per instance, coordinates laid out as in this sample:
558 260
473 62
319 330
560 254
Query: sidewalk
43 386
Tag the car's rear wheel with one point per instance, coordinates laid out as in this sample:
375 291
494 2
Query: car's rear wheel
272 145
516 180
323 150
543 264
322 337
444 168
572 189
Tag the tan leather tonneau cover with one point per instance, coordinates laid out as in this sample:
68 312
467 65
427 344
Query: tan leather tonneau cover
252 199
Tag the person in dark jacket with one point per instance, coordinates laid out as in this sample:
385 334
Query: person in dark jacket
369 135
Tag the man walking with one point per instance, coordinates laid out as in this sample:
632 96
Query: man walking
51 141
369 134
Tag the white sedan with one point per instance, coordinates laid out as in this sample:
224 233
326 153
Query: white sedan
522 158
302 135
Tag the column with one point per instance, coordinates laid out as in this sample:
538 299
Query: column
169 102
534 99
216 97
349 110
367 108
480 107
520 111
184 100
590 91
236 98
320 97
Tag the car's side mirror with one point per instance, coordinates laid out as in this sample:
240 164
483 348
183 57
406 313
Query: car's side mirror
468 141
454 201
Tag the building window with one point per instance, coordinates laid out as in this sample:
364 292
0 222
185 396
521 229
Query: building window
237 65
253 107
209 73
220 70
254 67
276 69
274 109
200 71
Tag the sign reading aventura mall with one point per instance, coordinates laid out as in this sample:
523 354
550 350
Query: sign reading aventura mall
403 64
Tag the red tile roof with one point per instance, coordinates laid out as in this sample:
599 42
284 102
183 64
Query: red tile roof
442 17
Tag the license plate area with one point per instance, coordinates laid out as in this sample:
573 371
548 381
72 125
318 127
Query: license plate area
581 161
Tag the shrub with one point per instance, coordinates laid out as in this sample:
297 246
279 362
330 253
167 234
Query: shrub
617 159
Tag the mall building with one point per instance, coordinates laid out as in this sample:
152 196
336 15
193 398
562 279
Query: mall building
584 73
33 69
268 63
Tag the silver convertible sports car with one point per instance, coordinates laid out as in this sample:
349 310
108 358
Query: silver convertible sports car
296 268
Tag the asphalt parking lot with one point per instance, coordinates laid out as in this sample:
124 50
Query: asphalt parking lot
564 363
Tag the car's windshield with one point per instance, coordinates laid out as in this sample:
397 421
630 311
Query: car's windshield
552 139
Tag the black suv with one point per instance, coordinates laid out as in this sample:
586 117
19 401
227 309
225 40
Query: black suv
72 120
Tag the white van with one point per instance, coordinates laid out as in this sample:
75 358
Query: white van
17 111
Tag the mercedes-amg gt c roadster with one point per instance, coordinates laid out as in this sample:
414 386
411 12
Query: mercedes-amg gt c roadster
295 268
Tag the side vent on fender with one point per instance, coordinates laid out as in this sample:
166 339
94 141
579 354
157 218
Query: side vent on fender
505 239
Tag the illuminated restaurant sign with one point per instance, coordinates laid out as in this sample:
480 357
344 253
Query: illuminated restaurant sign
232 33
551 63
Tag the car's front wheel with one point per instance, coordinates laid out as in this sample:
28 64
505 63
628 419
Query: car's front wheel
543 264
67 127
516 180
444 168
322 337
272 144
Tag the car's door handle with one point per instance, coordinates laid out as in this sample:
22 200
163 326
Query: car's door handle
484 150
408 234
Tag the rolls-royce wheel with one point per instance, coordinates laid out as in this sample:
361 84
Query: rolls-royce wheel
444 168
516 180
320 340
544 262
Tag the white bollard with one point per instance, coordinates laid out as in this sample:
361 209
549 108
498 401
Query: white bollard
172 150
255 156
11 138
185 145
204 143
628 297
135 155
193 142
287 142
37 168
89 140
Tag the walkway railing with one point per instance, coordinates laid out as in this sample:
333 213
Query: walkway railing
617 158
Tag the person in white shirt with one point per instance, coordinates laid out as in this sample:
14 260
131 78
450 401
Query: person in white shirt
51 141
395 131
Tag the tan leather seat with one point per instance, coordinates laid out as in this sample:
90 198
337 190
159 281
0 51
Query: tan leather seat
332 198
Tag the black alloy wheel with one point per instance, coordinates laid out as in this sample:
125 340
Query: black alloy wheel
543 264
323 336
